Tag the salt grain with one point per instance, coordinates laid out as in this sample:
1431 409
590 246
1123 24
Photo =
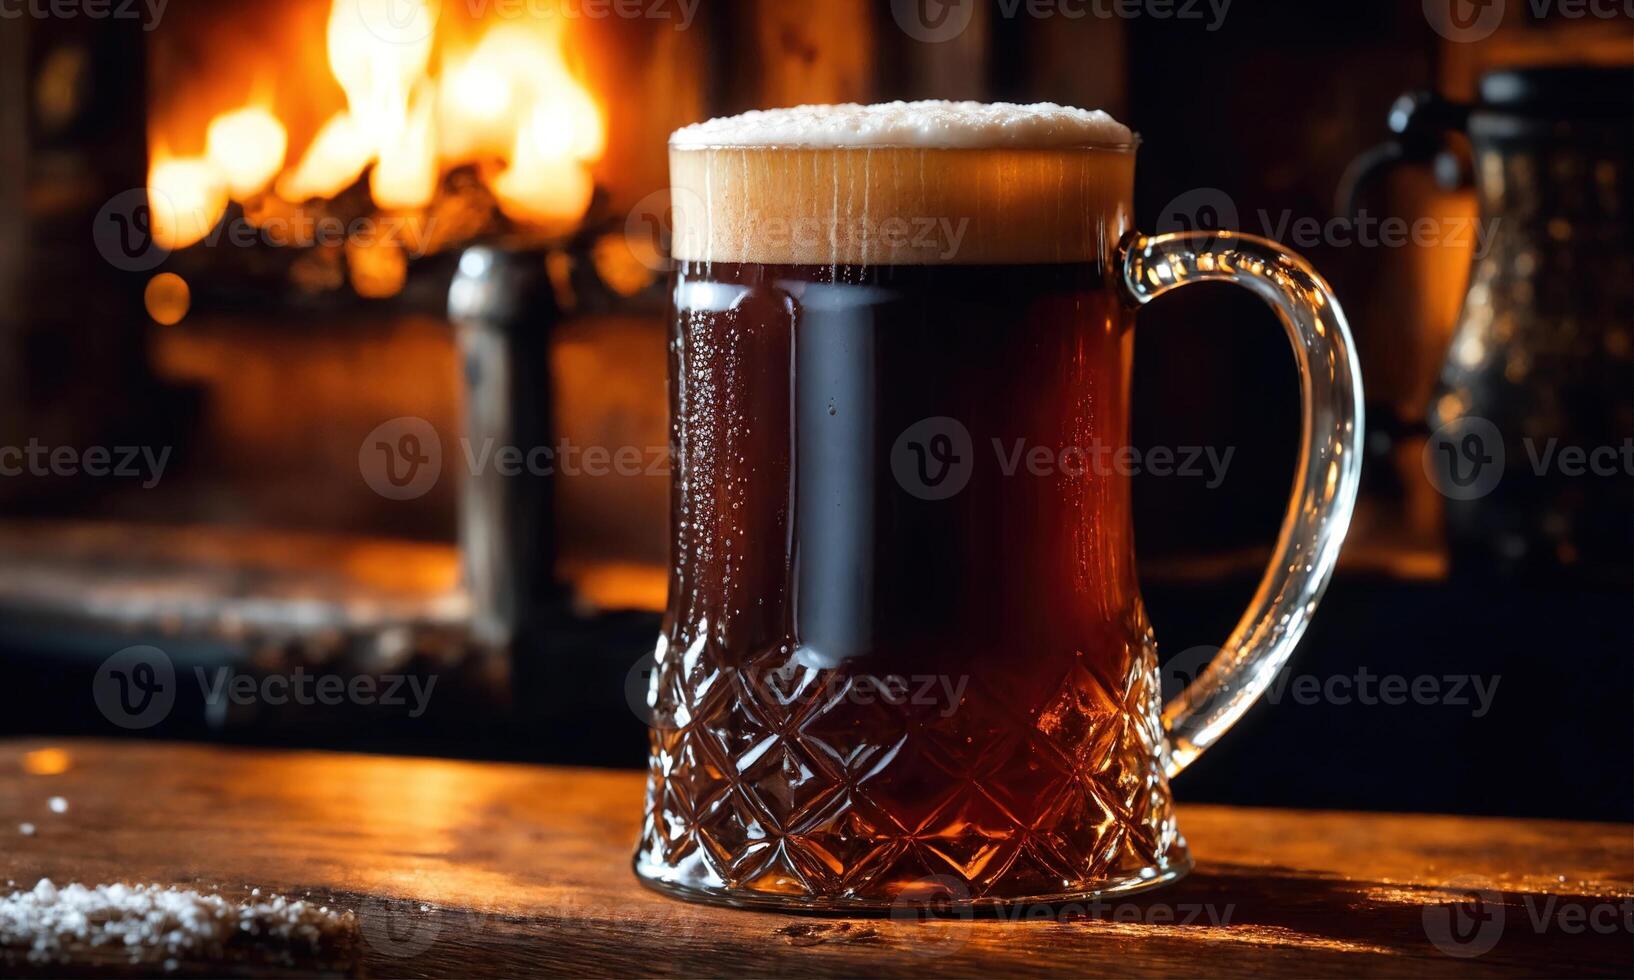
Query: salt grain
26 829
49 923
57 804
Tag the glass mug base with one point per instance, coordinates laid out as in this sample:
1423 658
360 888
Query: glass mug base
783 787
942 894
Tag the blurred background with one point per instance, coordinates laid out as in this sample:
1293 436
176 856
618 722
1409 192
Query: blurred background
277 279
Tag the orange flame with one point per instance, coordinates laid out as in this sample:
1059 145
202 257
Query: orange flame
186 197
420 99
247 147
336 159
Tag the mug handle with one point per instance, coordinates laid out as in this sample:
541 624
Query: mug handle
1325 484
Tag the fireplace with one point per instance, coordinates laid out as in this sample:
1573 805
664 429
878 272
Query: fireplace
322 227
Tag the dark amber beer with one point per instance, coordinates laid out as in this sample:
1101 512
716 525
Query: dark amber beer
904 653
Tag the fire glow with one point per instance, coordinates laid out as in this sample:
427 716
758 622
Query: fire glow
420 100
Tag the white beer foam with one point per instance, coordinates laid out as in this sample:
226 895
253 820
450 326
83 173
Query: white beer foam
910 183
928 124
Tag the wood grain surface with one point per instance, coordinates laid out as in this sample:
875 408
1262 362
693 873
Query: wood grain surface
461 869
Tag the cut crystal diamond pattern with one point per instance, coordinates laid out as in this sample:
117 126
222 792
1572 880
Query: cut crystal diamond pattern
778 781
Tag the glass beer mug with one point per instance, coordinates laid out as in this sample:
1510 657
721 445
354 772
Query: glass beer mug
904 655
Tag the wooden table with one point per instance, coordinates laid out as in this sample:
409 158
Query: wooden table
471 869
